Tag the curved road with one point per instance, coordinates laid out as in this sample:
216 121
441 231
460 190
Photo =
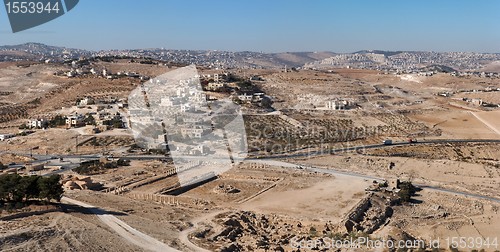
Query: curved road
331 171
43 158
123 229
148 243
320 153
361 176
376 146
184 235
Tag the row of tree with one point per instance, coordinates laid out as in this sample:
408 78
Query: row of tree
15 188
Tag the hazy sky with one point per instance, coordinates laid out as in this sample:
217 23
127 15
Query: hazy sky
272 25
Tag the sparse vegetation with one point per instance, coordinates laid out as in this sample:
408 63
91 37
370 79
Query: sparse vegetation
407 190
97 167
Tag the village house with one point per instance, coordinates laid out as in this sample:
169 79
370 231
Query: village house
199 150
215 86
195 132
4 137
85 102
75 121
245 98
37 124
338 105
476 102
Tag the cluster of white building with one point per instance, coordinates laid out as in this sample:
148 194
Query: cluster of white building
339 105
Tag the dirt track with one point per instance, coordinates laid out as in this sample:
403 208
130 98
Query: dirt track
127 232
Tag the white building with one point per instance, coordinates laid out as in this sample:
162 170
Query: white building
37 123
477 102
215 86
192 132
338 105
4 137
257 97
86 101
74 121
245 98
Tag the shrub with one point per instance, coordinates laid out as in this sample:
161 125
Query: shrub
407 190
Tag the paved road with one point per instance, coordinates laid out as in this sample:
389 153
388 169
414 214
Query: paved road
362 176
471 195
332 171
123 229
43 158
325 152
377 146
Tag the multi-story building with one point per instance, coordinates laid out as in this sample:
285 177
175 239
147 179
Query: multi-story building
37 123
75 121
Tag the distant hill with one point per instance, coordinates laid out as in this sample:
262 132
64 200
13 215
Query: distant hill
367 59
385 53
289 59
408 61
493 67
438 68
38 51
297 59
34 47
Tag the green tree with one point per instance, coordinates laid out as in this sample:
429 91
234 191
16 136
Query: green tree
57 121
407 190
3 188
9 188
17 189
29 185
50 188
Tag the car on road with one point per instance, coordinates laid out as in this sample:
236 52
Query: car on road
387 142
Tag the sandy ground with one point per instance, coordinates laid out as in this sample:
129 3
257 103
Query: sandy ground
328 200
271 189
60 232
490 119
48 142
162 222
470 177
128 233
459 124
467 218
